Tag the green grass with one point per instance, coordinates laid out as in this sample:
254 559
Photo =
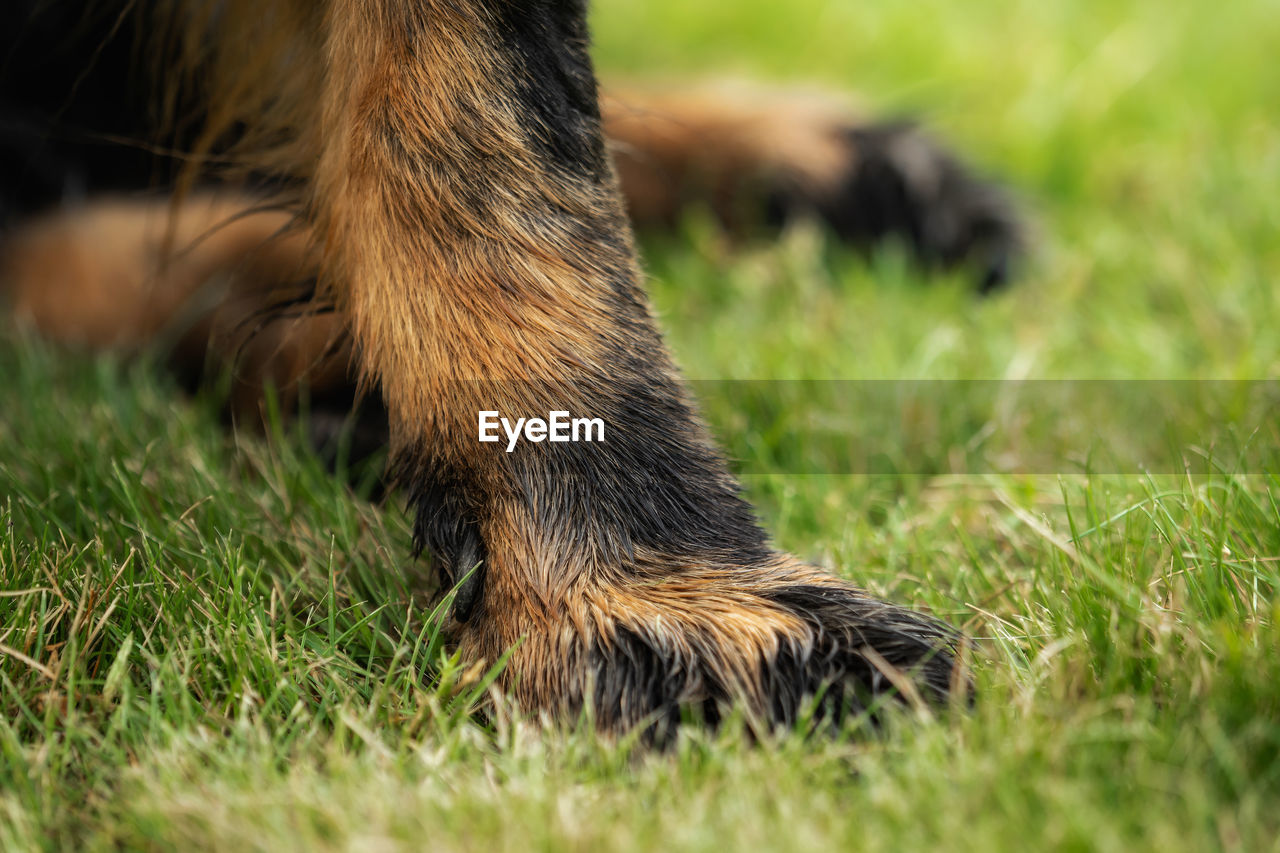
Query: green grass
217 641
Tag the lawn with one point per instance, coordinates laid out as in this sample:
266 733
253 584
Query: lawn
208 642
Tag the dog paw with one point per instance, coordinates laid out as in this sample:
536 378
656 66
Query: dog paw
653 648
902 185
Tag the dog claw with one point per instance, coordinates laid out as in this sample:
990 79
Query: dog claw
467 573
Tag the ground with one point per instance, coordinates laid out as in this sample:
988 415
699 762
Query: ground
207 642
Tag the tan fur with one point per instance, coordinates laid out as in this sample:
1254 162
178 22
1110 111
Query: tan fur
721 144
118 273
412 255
461 305
474 272
103 277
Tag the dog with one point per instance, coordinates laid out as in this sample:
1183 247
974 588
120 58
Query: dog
427 203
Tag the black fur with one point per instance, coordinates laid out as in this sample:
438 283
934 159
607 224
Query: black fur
638 680
634 681
904 186
81 101
844 620
547 41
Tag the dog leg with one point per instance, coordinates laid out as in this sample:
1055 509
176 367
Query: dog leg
214 284
756 157
469 218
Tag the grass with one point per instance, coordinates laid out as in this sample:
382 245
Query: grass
209 642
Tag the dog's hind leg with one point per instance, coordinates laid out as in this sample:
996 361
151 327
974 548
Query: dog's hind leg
213 284
757 158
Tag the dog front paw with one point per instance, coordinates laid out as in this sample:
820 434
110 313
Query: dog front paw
773 641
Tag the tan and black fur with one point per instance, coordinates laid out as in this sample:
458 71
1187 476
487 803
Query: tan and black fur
445 183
